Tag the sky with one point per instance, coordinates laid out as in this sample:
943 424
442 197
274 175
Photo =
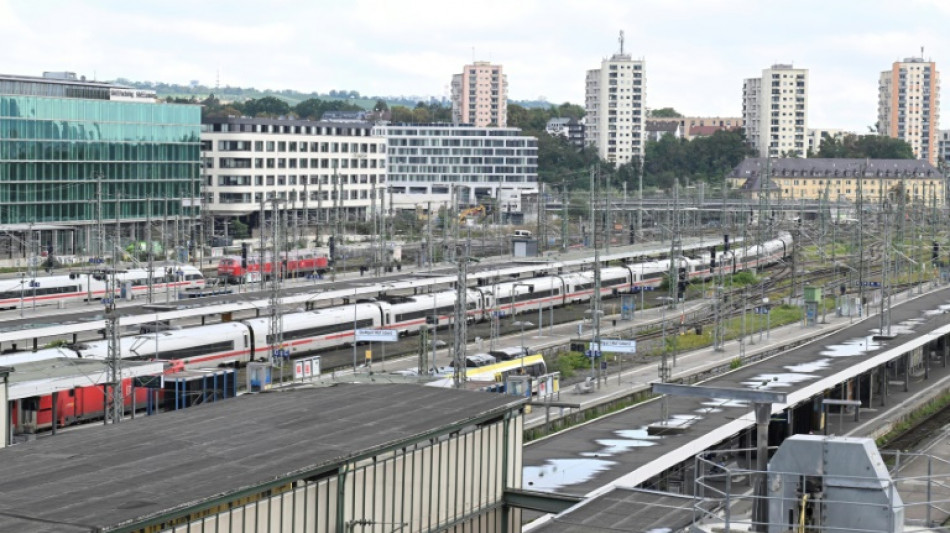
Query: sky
697 52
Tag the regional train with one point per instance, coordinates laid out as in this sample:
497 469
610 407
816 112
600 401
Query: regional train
82 286
327 328
235 269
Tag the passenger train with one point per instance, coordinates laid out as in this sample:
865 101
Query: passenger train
326 328
81 286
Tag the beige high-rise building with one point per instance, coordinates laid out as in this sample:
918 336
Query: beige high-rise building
909 105
616 108
775 111
480 96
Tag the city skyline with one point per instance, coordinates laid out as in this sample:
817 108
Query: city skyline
697 53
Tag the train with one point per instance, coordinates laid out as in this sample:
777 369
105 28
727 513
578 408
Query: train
326 328
87 286
237 268
332 327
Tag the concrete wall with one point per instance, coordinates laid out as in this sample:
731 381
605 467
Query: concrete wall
454 483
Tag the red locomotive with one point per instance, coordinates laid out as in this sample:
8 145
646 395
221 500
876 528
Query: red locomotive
293 264
72 406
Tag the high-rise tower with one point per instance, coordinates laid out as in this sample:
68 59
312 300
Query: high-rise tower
480 95
909 105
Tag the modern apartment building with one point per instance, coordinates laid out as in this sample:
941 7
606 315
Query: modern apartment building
324 172
489 166
775 111
909 105
480 95
616 108
74 152
839 179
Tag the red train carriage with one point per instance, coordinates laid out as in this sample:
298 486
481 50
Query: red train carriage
296 263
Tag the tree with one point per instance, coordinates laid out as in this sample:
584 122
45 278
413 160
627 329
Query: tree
267 106
864 147
400 114
665 112
380 105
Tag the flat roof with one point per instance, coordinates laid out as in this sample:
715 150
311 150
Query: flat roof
40 378
145 468
624 509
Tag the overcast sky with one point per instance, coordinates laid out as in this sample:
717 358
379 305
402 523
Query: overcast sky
697 52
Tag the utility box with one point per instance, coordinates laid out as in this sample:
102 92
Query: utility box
524 247
812 294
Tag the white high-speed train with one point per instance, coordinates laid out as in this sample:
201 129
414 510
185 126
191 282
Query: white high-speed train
321 329
76 286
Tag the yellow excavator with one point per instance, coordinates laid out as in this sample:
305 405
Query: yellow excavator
477 211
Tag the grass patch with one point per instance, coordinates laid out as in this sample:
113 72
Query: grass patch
915 418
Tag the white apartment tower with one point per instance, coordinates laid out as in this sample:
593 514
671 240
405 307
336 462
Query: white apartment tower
480 96
909 105
775 111
616 108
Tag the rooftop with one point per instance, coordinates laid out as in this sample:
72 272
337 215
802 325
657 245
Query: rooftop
143 468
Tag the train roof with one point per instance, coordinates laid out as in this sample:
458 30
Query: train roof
159 463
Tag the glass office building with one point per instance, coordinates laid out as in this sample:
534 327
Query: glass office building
74 152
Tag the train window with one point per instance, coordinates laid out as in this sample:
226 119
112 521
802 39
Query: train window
195 351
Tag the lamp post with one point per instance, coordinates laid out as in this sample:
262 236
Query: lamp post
765 309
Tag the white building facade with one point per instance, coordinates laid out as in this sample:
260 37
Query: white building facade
321 170
430 163
815 135
616 109
775 111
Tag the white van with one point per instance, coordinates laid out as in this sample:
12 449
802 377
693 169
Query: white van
521 234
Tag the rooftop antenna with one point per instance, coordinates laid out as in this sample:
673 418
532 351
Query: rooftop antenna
621 42
473 54
217 80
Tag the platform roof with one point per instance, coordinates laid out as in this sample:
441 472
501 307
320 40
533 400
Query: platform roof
145 468
44 377
624 509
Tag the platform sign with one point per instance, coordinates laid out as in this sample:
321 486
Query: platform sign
377 335
149 382
615 346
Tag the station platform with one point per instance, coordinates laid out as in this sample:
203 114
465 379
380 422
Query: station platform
623 450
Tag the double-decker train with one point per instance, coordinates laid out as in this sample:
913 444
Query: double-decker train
82 286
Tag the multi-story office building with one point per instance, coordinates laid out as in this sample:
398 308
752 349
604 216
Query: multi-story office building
75 152
492 166
616 112
909 105
480 95
839 179
775 111
324 172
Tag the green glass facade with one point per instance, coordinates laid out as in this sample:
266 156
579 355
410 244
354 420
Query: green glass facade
55 154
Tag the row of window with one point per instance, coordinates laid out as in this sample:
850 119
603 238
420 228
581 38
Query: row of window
93 151
294 146
124 173
465 160
281 162
301 128
518 172
236 180
66 130
99 111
